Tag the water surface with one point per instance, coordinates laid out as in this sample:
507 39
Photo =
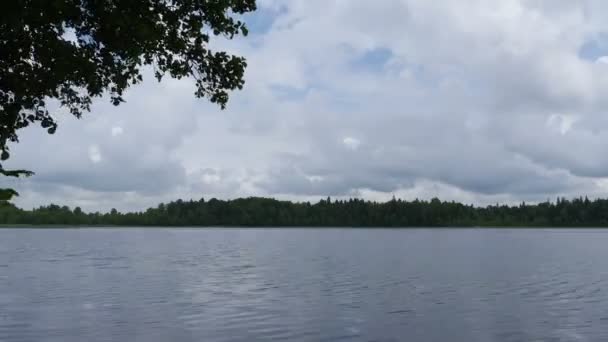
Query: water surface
303 285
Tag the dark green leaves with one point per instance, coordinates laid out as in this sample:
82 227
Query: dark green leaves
15 173
267 212
73 51
8 194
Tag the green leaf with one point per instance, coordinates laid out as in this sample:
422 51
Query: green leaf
16 173
7 194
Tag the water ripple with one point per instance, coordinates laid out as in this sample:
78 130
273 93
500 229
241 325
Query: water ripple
303 285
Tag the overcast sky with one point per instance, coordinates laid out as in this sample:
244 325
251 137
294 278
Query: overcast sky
471 100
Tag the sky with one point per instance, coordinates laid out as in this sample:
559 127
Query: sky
470 100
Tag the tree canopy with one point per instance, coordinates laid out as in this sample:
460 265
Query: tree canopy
578 212
71 51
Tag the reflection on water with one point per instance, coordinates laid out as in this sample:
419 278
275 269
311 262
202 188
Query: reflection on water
303 285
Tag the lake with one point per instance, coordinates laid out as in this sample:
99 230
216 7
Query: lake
303 285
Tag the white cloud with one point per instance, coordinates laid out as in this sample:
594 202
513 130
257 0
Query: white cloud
94 154
116 131
472 100
211 177
351 143
562 123
602 60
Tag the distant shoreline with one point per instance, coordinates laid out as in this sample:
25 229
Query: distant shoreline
117 227
353 213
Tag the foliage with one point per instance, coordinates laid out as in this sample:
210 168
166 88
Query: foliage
326 213
8 194
72 51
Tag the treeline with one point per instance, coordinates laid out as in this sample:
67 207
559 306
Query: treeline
325 213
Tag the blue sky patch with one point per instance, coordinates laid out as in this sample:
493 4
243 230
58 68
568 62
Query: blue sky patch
261 21
594 48
372 60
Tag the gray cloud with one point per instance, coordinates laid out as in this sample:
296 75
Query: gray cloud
466 100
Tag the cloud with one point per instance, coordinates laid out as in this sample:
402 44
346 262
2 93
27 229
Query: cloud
116 131
351 143
94 154
471 100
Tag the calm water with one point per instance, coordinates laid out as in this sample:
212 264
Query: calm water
303 285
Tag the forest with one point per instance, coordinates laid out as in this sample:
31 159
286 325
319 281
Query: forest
267 212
